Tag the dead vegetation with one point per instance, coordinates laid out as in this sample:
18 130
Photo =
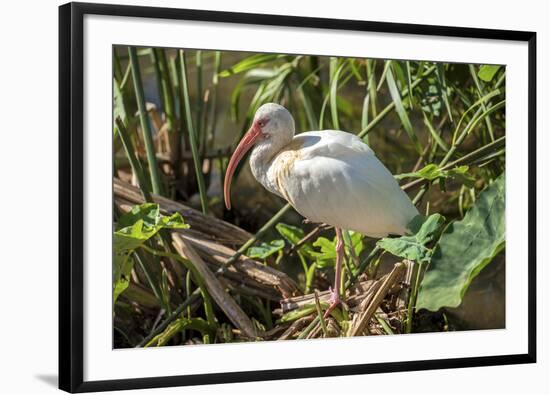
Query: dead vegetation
372 306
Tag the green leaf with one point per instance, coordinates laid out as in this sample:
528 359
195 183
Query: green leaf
461 173
464 249
429 172
142 223
487 72
357 242
123 265
265 250
414 247
327 256
433 172
133 229
292 234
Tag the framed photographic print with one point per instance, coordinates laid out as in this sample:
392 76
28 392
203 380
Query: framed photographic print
258 197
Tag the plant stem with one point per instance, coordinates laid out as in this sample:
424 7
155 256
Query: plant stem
192 133
175 314
150 278
134 162
214 100
413 293
475 119
200 102
165 83
145 125
320 314
466 159
309 328
255 238
480 94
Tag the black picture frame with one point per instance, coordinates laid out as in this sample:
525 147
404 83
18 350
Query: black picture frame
71 204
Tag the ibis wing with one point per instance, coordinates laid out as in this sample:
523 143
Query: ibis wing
340 181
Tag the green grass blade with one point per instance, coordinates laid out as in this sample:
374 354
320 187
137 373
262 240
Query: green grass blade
435 135
249 63
337 69
371 87
400 109
440 72
482 100
387 65
391 106
308 108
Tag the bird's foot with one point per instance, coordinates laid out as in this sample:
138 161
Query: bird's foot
334 302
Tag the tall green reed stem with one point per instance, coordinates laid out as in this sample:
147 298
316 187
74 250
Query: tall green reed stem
165 83
144 120
191 131
214 100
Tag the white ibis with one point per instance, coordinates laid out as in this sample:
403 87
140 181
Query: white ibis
328 176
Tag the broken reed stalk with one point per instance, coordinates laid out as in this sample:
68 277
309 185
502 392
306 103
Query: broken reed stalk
364 317
224 232
228 305
215 289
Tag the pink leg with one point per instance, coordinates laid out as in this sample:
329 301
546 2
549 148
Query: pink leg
335 293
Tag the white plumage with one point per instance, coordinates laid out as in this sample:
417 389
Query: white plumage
337 179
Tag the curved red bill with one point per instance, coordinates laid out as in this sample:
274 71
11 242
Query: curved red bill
245 144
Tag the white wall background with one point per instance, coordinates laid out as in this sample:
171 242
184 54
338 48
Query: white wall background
28 197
